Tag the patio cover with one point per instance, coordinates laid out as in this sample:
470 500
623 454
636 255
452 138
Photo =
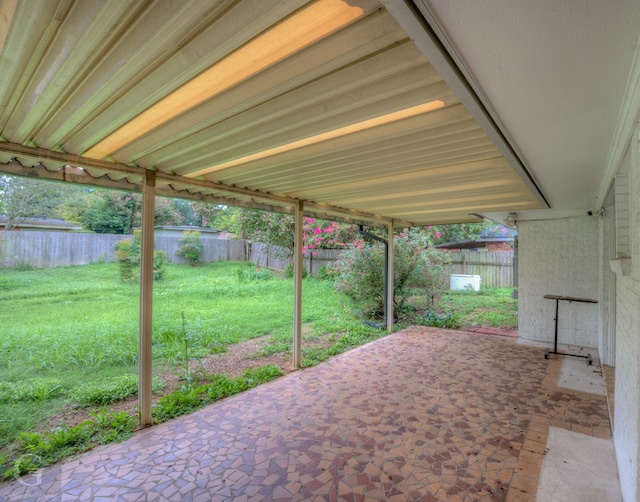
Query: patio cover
257 103
383 112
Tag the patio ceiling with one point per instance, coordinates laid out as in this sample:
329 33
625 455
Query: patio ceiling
562 80
253 102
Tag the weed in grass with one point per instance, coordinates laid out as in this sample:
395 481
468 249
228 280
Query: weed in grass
311 356
185 342
251 272
23 464
4 465
487 307
446 320
113 427
37 389
38 450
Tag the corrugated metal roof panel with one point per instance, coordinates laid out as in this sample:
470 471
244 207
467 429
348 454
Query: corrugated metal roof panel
325 101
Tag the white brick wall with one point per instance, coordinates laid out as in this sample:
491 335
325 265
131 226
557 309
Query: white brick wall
559 257
623 243
626 431
634 211
626 428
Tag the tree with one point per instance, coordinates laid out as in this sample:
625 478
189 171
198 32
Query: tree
186 209
22 198
111 212
208 214
278 230
439 234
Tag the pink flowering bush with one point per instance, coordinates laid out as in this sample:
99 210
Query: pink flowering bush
417 270
278 230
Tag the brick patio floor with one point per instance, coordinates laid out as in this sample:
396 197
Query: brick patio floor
424 414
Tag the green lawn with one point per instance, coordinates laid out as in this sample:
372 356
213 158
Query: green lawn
487 307
60 327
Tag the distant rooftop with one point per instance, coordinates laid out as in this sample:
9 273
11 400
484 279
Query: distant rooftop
41 224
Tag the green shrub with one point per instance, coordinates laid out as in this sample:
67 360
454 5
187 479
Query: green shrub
449 321
327 273
418 270
191 247
109 390
160 260
253 273
128 256
288 271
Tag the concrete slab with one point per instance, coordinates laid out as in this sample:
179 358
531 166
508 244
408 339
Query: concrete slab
576 375
578 468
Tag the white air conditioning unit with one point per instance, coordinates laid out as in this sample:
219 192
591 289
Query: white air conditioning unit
461 282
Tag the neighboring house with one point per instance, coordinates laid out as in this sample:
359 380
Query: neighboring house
41 224
500 239
173 231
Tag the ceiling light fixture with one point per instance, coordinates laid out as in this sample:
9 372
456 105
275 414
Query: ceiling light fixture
335 133
284 39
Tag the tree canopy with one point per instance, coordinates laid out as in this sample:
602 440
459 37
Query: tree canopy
22 198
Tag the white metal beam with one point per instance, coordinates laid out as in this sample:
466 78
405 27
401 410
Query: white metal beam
59 166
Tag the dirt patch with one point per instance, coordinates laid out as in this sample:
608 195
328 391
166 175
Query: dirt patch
240 357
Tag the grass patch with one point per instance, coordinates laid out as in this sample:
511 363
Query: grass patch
194 396
487 307
37 389
353 338
109 390
69 325
39 450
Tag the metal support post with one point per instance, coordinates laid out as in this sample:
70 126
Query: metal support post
146 299
297 286
390 278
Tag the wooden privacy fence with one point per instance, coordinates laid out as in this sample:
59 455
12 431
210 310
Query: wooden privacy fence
495 268
54 249
214 249
277 258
